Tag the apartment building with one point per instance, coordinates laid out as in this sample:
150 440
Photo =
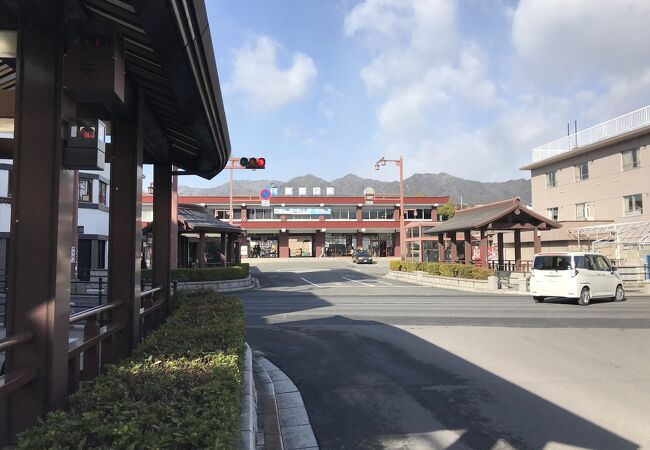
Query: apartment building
597 183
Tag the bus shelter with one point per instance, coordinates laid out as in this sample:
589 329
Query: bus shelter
506 216
84 84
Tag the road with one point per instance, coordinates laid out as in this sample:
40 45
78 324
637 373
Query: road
384 364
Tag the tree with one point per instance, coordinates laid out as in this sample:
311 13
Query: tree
447 210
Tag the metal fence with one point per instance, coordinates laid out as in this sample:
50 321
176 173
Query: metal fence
614 127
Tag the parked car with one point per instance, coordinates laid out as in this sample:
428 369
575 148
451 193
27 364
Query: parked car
362 257
575 275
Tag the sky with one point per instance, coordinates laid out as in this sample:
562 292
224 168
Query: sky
467 87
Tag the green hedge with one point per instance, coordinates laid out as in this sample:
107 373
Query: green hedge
443 269
234 272
180 389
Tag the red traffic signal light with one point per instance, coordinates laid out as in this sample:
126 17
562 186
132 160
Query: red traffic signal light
253 163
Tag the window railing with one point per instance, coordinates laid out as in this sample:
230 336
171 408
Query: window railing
614 127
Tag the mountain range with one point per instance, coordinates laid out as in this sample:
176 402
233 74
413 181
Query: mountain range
420 184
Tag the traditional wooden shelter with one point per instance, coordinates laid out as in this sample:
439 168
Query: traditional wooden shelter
73 73
197 222
494 218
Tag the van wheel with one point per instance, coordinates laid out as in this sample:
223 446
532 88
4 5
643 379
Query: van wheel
585 297
538 299
620 294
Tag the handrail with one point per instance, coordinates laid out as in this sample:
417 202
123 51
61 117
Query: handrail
15 340
151 291
94 311
148 310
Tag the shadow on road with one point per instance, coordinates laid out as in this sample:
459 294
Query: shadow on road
363 387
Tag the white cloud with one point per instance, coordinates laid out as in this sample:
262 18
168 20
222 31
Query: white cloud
563 40
269 86
418 61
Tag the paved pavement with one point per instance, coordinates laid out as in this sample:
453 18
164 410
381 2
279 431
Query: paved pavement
384 364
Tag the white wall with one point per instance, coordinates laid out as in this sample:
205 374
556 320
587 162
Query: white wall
94 221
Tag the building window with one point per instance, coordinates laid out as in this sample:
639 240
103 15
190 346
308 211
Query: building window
85 190
417 214
550 179
260 214
553 213
631 159
584 211
377 213
9 182
288 191
633 205
582 171
344 214
103 189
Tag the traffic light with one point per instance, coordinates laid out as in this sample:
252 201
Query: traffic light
253 163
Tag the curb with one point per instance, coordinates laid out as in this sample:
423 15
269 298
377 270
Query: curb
286 422
421 281
248 416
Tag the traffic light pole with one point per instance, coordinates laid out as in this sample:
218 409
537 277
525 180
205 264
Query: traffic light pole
234 165
402 231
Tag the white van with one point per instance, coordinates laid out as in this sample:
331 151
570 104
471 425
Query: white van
575 275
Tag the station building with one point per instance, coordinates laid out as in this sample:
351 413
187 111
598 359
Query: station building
316 226
91 224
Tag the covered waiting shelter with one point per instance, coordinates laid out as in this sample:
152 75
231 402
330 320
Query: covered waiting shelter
195 219
494 218
147 70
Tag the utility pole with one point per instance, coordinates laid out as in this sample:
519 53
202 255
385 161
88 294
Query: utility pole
402 232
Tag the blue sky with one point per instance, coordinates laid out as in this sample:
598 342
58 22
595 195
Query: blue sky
466 87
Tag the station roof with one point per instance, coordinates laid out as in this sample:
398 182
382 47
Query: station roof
195 218
309 200
508 214
168 55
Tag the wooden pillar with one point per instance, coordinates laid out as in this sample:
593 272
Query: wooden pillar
537 241
200 251
41 232
441 247
230 247
500 251
468 246
454 248
484 249
360 240
517 249
283 244
125 230
173 250
222 249
162 229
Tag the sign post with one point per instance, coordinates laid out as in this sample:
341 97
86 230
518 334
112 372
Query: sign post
265 197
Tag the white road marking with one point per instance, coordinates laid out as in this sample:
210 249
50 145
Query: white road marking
302 270
383 282
360 282
313 284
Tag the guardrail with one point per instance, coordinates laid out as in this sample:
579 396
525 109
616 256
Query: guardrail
151 310
614 127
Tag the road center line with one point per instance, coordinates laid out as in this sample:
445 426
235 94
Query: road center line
313 284
357 281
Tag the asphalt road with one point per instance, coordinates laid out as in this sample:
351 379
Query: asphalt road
384 364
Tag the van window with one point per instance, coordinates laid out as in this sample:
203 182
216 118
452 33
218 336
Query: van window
559 262
602 264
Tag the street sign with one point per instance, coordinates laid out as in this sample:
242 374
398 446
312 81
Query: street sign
265 194
266 202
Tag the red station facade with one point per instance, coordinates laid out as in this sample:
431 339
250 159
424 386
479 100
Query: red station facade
317 226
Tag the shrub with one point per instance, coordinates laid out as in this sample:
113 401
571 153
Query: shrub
234 272
181 388
443 269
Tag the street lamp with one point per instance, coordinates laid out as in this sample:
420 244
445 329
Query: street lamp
402 233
